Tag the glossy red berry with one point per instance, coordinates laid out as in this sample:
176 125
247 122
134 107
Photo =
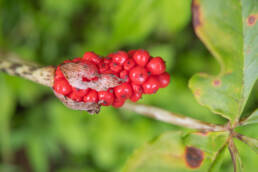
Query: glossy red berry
156 66
107 60
151 86
120 57
123 91
67 61
92 57
106 98
91 97
118 103
136 88
135 97
129 64
58 74
131 53
141 57
78 59
75 97
115 67
103 67
77 94
62 87
124 75
164 80
138 75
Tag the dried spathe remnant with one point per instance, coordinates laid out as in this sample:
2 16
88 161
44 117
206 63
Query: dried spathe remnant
92 80
90 107
76 72
193 157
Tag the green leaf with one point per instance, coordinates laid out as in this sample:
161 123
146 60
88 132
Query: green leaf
252 119
248 156
229 31
252 142
174 151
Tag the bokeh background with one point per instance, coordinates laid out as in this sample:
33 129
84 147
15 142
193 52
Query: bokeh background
37 133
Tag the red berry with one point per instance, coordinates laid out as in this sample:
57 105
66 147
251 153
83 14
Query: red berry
75 97
120 57
67 61
78 59
92 97
106 98
151 85
129 64
118 103
115 67
62 87
156 66
164 80
141 57
131 53
124 75
78 94
103 67
123 91
110 55
135 97
107 60
136 88
59 73
92 57
138 75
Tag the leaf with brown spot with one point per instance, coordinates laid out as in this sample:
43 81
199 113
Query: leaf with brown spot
173 151
224 27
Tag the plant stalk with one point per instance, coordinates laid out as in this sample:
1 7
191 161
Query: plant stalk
172 118
45 76
40 75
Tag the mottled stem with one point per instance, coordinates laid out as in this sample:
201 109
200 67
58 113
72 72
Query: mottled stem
41 75
172 118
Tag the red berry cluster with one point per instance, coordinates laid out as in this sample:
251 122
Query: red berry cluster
141 73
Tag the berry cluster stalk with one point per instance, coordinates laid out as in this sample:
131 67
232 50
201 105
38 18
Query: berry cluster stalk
45 76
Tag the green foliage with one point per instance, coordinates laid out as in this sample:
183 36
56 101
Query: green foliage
233 42
170 152
37 128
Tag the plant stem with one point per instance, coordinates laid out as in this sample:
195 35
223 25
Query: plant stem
45 76
41 75
172 118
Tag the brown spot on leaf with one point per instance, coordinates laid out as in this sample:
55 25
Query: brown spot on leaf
202 133
216 82
197 92
251 20
196 14
193 157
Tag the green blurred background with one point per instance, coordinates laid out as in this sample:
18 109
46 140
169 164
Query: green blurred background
37 133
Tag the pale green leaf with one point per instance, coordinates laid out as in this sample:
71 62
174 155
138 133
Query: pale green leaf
174 151
229 31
